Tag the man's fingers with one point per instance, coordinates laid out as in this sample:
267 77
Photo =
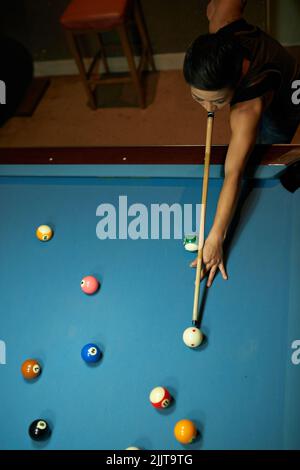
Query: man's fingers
223 271
194 264
211 276
210 265
203 273
210 268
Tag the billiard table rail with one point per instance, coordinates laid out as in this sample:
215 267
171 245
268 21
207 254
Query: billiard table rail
266 161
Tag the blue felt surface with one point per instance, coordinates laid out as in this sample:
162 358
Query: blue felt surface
241 389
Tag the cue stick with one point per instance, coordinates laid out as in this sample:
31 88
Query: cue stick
210 121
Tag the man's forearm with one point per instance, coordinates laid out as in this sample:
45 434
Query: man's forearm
244 120
226 205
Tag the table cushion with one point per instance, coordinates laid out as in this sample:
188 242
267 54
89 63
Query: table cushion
95 14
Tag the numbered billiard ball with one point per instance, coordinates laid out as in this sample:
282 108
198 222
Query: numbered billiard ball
44 233
39 430
90 353
192 337
160 397
30 369
185 431
89 285
190 243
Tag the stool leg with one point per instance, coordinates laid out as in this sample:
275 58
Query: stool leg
132 67
143 33
103 55
82 72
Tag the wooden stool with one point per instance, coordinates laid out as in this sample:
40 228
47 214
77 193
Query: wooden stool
85 16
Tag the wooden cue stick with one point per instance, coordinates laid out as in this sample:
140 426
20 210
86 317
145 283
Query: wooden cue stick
210 120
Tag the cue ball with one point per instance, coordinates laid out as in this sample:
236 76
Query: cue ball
30 369
89 285
39 430
90 353
160 397
192 337
44 233
132 448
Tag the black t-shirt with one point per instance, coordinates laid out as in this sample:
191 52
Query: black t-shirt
271 68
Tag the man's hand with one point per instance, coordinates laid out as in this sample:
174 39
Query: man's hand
212 259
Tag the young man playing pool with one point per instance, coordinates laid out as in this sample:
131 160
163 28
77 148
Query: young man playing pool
240 65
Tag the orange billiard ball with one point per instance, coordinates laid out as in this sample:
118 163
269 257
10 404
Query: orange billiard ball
30 369
185 431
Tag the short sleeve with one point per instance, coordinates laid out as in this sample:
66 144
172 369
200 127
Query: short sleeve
271 82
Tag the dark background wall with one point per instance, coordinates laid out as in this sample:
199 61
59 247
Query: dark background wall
172 24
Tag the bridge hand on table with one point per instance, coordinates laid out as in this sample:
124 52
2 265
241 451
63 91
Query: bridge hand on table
212 260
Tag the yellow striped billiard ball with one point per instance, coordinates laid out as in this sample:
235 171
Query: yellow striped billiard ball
44 233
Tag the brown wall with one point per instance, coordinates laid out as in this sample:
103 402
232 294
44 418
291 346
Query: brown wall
172 24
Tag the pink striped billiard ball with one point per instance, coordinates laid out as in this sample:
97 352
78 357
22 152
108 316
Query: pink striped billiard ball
160 397
89 285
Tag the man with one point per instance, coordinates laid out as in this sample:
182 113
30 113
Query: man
240 65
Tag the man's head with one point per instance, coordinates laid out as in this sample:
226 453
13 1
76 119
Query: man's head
213 68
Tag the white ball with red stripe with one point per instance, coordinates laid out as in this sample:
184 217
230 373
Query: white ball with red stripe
160 397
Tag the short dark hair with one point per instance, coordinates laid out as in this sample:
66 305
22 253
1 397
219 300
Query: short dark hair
213 61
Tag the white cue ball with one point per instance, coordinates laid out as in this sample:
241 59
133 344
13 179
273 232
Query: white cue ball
192 337
132 448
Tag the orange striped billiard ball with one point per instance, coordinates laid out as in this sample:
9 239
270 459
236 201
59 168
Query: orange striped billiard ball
30 369
185 431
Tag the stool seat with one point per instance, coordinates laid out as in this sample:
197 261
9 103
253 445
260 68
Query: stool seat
94 17
95 14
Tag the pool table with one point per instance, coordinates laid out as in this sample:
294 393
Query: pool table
241 387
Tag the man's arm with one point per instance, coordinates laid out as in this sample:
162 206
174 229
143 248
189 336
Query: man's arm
244 121
222 12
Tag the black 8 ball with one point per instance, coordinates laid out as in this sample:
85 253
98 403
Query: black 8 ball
39 430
